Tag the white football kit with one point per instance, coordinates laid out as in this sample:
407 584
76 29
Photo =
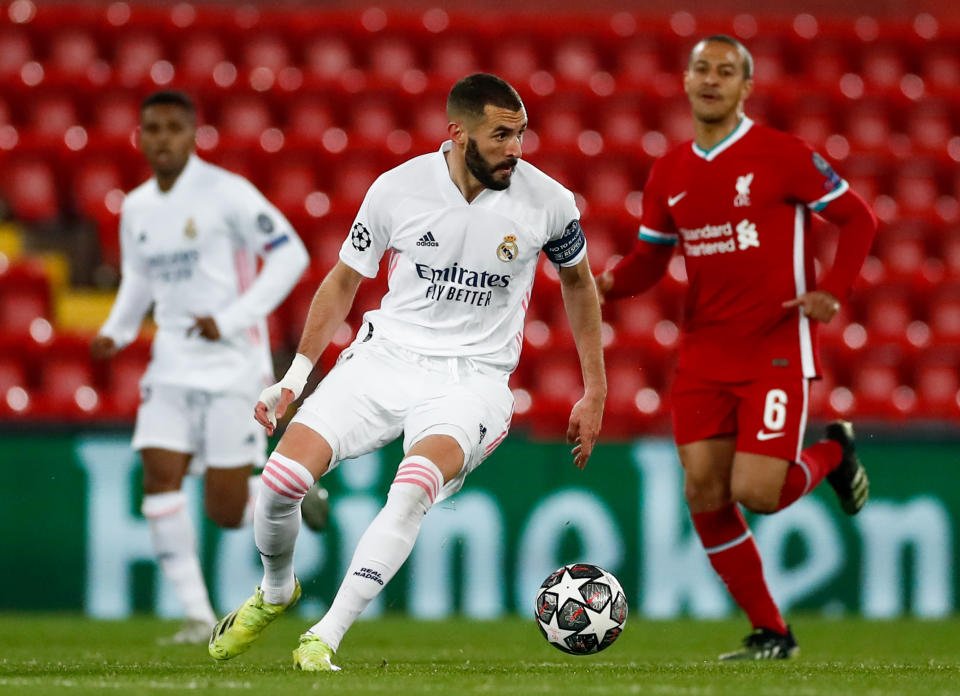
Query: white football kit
192 251
436 356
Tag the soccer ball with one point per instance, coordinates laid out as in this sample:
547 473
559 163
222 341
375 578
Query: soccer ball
581 609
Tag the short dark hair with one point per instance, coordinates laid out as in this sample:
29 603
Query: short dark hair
171 97
471 95
729 40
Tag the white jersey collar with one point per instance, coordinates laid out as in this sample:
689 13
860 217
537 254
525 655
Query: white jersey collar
192 165
741 130
447 186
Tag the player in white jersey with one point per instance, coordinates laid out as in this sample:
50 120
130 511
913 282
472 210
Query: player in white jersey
465 227
190 239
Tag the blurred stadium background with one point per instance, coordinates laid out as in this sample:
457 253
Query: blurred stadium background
312 101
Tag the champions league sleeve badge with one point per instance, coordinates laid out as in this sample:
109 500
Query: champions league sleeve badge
360 237
508 249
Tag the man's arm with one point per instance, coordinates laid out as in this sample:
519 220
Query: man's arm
328 310
583 311
282 267
133 300
857 226
636 272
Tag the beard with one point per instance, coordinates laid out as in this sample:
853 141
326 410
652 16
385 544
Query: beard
483 170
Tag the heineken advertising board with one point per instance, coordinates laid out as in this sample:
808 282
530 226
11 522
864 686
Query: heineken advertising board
69 508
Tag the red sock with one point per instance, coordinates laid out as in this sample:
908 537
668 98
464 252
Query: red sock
733 554
802 477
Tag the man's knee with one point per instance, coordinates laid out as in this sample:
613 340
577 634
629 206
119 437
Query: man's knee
755 496
705 493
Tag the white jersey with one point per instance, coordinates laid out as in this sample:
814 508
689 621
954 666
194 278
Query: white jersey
192 251
460 274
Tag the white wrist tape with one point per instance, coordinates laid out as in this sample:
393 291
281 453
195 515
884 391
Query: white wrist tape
294 380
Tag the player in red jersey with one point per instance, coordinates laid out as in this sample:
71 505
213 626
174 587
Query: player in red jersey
738 201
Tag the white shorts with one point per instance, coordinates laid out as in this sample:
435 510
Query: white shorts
218 429
378 390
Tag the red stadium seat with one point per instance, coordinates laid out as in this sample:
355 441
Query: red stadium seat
266 51
768 57
868 127
116 116
621 125
915 190
328 57
52 115
72 53
883 66
575 60
929 127
515 60
888 315
391 58
903 252
938 390
199 55
825 63
941 69
15 51
606 187
638 63
675 121
245 117
353 181
873 388
93 181
453 58
636 318
560 124
136 55
372 120
951 256
945 316
31 189
310 118
290 184
812 123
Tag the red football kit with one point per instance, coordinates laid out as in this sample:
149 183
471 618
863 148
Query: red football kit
740 213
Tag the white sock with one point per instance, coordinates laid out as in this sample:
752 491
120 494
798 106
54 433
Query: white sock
253 488
384 547
276 524
175 543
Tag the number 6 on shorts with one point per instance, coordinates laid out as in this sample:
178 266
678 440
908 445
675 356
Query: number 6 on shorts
775 409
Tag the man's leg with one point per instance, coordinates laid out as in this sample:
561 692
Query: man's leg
173 534
708 466
385 545
301 457
230 495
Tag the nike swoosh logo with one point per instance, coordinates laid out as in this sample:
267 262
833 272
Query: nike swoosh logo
673 200
768 436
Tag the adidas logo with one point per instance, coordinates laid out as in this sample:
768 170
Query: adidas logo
428 240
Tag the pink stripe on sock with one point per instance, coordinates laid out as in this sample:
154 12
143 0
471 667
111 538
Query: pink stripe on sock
276 489
296 484
414 469
417 482
280 480
166 511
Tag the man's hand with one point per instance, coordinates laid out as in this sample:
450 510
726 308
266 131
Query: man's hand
206 327
819 305
604 285
584 428
103 347
271 406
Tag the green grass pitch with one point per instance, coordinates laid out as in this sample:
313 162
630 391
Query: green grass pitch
66 655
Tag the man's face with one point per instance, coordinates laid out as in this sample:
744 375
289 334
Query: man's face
493 146
714 82
167 133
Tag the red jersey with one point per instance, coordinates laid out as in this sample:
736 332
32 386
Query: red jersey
740 213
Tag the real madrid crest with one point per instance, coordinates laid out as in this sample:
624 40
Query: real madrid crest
508 249
190 231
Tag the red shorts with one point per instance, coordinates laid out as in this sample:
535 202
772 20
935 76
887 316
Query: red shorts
768 415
